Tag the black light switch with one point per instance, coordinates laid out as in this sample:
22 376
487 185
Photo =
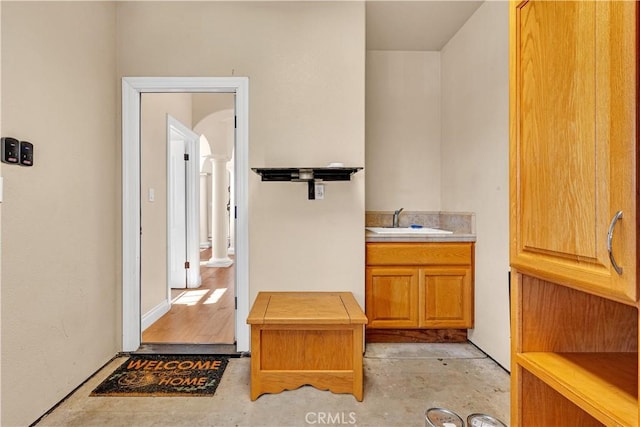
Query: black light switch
10 150
26 153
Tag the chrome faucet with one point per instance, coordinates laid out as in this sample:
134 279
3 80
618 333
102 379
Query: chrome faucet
396 219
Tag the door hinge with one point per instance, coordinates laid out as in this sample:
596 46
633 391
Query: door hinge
186 264
235 301
186 157
235 122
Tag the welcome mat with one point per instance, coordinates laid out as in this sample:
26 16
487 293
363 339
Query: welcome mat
165 375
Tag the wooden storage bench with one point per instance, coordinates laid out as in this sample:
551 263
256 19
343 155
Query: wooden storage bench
306 338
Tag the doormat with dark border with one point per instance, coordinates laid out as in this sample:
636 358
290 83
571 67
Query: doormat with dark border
165 375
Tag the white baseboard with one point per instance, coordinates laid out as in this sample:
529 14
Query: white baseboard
154 314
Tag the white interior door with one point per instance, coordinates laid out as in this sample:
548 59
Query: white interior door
183 210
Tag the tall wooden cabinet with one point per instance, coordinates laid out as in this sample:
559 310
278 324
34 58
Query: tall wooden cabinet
574 201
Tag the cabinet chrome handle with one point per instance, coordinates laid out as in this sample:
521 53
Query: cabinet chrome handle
615 219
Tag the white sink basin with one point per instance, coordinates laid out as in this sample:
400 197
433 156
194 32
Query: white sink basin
407 230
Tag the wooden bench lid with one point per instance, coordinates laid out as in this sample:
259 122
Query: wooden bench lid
306 308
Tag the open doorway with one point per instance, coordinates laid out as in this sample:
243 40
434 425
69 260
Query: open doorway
186 184
133 89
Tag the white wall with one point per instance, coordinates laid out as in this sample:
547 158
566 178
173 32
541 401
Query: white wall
403 131
475 169
305 62
60 217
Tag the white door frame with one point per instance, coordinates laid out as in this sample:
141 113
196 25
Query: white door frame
132 88
190 277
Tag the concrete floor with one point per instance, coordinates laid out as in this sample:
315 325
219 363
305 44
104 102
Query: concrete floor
401 381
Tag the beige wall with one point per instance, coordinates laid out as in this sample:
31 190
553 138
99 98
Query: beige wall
153 174
207 103
403 130
60 218
475 169
305 63
61 70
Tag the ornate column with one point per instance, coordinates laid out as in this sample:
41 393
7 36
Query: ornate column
204 218
219 257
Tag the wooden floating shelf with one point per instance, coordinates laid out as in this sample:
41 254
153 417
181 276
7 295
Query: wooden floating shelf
605 385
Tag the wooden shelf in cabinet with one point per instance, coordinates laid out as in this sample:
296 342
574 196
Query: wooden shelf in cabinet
605 385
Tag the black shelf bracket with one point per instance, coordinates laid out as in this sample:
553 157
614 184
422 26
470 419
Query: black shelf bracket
308 175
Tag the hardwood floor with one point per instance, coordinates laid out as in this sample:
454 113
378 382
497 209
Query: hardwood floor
204 315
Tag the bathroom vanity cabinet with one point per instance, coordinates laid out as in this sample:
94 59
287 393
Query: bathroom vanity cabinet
419 286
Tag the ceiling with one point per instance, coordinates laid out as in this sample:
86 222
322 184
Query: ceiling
415 25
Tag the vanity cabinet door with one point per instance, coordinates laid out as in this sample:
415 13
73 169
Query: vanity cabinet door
446 297
392 297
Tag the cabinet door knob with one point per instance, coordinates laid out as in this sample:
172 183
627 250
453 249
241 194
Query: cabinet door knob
612 226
